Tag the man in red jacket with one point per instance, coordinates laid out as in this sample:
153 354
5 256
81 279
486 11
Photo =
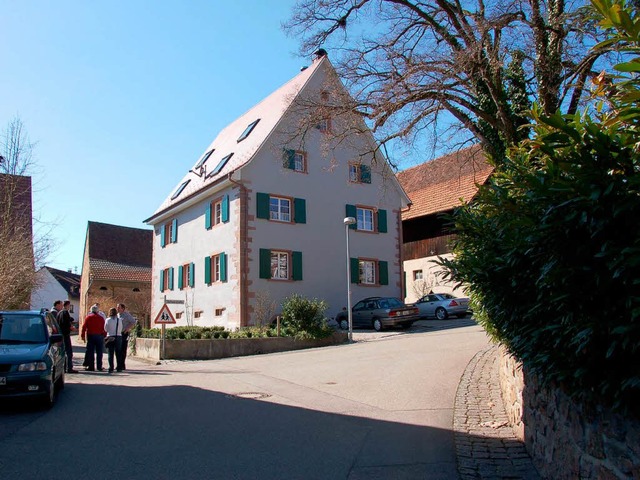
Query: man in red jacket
93 333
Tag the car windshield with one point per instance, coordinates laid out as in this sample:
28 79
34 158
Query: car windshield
446 295
394 303
22 329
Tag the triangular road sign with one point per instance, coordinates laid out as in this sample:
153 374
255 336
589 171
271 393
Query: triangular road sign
164 315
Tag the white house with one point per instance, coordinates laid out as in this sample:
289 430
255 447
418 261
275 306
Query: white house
259 216
53 284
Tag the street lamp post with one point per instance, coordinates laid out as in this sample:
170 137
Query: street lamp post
347 222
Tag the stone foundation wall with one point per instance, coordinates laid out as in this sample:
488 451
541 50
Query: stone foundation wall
567 440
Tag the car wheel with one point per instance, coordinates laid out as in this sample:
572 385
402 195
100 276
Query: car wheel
377 324
441 313
344 324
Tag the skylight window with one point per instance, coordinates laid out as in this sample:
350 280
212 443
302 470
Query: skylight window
220 165
180 189
248 130
204 158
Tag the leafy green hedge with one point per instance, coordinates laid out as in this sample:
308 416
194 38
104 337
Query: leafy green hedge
550 249
301 318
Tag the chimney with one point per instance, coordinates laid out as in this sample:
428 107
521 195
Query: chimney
321 52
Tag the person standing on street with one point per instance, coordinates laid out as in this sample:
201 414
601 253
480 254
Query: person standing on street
65 322
53 315
93 332
128 323
113 326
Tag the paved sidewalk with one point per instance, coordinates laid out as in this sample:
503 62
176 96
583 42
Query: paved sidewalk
485 444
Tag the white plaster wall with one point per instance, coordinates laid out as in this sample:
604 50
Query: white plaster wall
195 243
49 290
432 278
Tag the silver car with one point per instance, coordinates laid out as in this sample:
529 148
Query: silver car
379 313
441 305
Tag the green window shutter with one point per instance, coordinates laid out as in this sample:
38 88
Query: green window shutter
383 273
262 205
170 278
192 275
296 260
207 217
180 273
351 211
207 270
289 159
174 230
223 267
225 209
365 174
299 210
382 221
265 263
162 280
162 233
355 270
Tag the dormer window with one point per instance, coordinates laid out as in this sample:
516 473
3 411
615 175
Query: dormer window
220 165
204 158
248 130
180 189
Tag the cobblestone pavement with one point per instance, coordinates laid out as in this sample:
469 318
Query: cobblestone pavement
485 444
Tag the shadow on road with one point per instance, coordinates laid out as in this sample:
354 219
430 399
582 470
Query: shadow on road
185 432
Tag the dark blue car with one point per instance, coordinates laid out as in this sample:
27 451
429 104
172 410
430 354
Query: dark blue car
32 356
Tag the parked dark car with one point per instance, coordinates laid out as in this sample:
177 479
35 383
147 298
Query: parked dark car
379 313
441 305
32 356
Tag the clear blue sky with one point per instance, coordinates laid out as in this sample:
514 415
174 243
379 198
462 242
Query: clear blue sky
122 97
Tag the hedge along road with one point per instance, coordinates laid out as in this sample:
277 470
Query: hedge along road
373 409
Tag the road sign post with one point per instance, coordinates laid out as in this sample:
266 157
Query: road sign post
163 318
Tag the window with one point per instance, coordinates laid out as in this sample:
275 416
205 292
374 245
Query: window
217 212
248 130
166 279
280 209
324 125
364 217
368 219
169 233
220 165
280 264
180 189
179 315
215 268
359 173
295 160
369 271
220 311
186 276
136 290
417 275
197 314
103 288
71 308
203 159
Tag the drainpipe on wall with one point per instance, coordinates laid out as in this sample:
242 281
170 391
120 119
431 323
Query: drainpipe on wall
400 242
244 228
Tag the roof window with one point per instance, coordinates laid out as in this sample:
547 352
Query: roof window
180 189
204 158
220 165
248 130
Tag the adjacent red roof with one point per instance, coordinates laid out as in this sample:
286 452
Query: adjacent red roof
445 182
120 253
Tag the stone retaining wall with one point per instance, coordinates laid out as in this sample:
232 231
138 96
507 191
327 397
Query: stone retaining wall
567 440
150 348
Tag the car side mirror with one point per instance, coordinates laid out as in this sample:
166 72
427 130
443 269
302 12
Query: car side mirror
55 338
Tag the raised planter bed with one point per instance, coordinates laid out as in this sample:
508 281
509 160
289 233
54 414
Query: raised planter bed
150 348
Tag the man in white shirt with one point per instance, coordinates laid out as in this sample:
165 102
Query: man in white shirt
128 323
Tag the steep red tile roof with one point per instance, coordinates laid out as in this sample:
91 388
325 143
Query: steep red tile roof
443 183
105 270
120 245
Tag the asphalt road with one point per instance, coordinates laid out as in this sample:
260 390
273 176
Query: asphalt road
380 408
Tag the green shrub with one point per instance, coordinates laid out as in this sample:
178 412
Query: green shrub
304 318
550 249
